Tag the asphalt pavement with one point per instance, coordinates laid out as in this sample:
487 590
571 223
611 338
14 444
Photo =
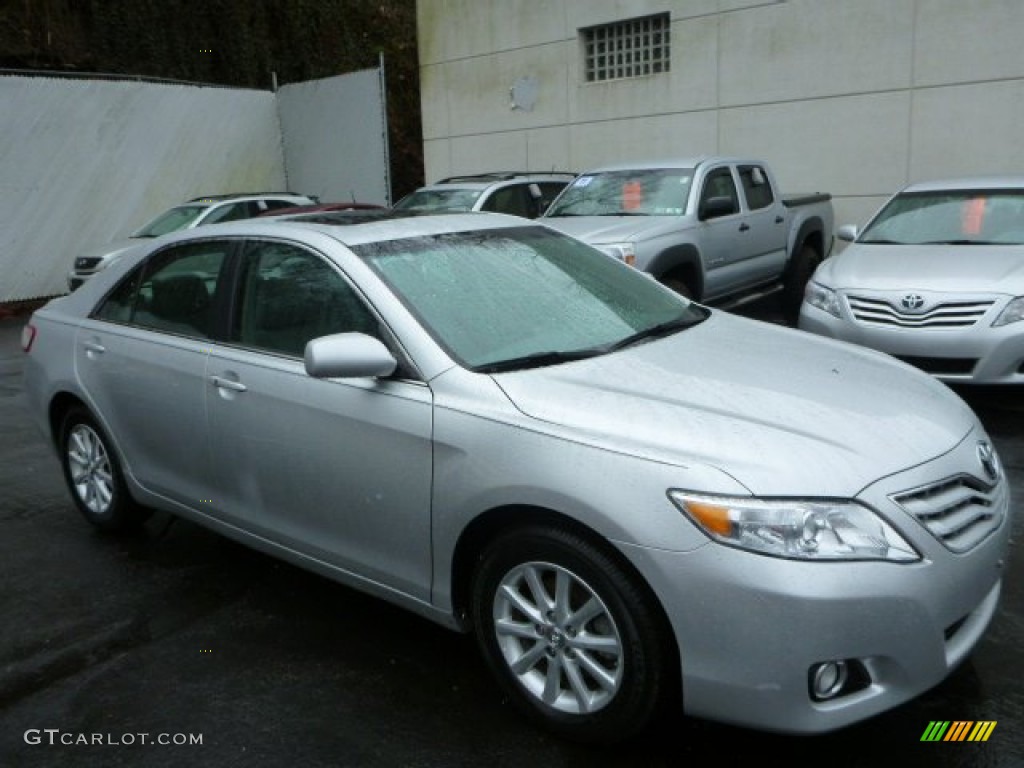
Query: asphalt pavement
176 647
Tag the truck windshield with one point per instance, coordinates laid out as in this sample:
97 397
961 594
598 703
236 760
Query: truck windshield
522 297
958 217
646 192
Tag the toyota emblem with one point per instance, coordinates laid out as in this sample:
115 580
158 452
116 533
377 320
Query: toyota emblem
912 301
987 457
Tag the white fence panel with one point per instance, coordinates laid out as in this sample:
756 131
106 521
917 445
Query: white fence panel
335 137
84 162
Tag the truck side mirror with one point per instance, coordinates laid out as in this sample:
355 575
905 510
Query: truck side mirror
713 207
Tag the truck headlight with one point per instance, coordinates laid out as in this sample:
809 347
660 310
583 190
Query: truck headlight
621 251
825 299
1011 313
796 528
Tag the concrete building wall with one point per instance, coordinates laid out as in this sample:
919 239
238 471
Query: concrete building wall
853 97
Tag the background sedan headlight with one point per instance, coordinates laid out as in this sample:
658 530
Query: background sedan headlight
794 528
620 251
823 298
1011 313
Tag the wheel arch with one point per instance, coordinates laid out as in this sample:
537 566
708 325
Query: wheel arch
810 233
60 404
495 522
682 261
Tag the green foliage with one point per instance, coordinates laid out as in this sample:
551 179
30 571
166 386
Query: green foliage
241 43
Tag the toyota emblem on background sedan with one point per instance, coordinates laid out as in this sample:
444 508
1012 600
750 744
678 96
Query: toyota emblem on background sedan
987 457
912 301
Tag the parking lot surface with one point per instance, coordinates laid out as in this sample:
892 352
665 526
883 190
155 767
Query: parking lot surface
175 646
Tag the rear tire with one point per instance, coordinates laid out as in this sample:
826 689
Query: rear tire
677 284
571 637
93 474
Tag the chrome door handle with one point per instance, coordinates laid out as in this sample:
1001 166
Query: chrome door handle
222 383
94 346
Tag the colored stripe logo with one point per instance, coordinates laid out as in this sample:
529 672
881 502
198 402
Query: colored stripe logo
959 730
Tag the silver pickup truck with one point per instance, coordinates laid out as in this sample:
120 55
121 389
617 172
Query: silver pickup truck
716 229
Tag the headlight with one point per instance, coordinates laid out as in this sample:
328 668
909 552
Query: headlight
1013 312
823 298
621 251
796 528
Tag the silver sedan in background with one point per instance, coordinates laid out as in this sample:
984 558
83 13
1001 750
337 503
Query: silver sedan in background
631 500
936 279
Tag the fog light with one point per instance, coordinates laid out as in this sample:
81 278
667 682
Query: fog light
828 679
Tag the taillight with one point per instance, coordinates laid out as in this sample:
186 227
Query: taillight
28 335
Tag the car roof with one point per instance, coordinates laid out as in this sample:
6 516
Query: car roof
358 227
968 182
241 196
675 162
483 180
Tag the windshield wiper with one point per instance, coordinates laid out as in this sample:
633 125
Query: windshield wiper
661 329
961 242
537 360
882 241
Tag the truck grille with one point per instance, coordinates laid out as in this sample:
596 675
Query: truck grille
960 512
950 314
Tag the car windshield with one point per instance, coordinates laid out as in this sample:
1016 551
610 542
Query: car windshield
651 192
962 217
171 221
522 297
456 199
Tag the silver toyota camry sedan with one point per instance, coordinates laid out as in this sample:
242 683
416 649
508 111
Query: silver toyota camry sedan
936 278
631 500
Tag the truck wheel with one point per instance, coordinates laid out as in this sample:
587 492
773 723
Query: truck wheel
801 267
677 284
569 635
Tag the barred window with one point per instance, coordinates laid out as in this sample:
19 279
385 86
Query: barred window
630 48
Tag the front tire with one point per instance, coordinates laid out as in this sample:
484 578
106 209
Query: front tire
93 474
571 637
801 268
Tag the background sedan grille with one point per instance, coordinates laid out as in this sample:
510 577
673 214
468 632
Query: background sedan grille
959 512
950 314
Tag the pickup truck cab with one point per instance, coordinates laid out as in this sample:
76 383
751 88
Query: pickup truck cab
715 229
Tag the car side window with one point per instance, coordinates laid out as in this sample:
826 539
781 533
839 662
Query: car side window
514 199
172 291
719 184
756 188
276 205
289 296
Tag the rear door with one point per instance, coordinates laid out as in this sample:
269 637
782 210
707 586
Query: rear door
141 359
766 218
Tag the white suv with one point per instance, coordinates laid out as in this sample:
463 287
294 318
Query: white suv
194 213
518 194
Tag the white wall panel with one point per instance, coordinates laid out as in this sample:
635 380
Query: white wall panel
335 137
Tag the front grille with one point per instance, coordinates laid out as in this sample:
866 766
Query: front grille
960 512
941 365
949 314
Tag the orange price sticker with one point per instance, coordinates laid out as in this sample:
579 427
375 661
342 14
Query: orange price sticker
632 195
973 216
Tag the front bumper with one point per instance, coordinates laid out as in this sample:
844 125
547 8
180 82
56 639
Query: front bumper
980 354
751 628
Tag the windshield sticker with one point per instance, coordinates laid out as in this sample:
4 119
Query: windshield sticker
973 216
583 181
632 195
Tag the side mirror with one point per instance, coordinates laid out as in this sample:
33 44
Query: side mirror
847 233
348 356
714 207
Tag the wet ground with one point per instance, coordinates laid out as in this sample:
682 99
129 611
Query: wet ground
175 633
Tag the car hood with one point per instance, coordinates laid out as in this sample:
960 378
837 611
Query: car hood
111 249
612 229
781 411
940 268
